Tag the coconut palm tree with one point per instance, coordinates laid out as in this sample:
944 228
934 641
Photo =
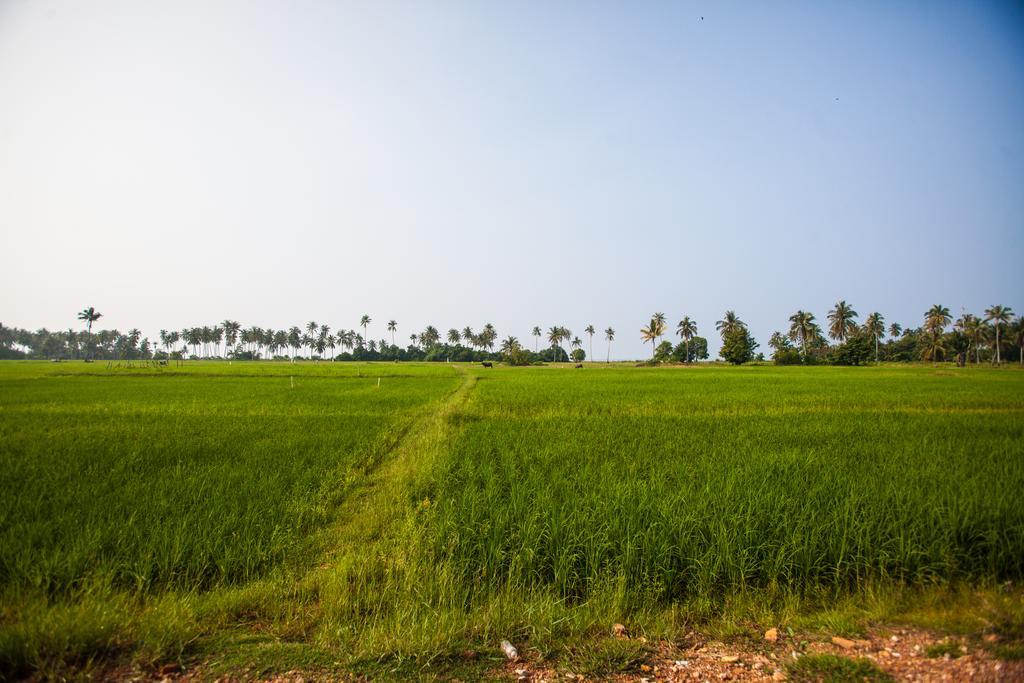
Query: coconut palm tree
89 316
729 324
1017 330
662 323
842 322
554 336
364 322
468 336
453 336
392 327
654 329
231 329
509 345
874 327
687 329
536 334
803 329
589 329
937 318
609 334
972 327
998 315
895 329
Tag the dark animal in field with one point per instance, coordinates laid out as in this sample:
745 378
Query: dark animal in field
487 364
579 365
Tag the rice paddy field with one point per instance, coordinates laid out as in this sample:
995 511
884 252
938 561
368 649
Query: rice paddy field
379 519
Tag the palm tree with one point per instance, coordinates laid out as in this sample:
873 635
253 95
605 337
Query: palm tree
972 327
662 323
430 336
729 324
687 329
468 337
589 329
231 329
609 334
654 329
998 315
453 336
89 316
364 322
841 322
895 329
392 326
536 333
935 320
555 336
509 345
1018 336
803 329
874 327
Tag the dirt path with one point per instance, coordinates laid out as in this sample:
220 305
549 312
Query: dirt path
901 654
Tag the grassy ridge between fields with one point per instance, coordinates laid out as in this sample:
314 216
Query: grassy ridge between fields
341 526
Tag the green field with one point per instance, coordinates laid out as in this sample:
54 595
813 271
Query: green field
345 516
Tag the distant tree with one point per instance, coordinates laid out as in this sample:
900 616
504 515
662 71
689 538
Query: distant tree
842 321
729 324
895 329
998 316
589 329
662 323
654 329
454 336
856 350
536 337
555 336
874 328
392 327
696 349
364 322
89 316
687 329
609 335
803 329
1017 332
738 346
430 337
973 330
936 319
578 355
663 352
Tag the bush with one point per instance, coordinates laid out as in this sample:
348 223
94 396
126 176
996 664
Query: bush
787 357
738 347
578 355
698 350
856 351
663 352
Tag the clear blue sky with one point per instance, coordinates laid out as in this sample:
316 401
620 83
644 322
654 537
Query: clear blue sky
520 163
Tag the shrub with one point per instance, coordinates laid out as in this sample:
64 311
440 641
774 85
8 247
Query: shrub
738 347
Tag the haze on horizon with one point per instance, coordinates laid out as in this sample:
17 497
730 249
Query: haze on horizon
456 163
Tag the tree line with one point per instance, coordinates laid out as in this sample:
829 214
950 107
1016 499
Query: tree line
992 337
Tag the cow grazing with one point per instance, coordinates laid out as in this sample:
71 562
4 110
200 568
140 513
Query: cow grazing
579 365
487 364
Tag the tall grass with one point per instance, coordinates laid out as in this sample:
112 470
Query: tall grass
678 483
143 480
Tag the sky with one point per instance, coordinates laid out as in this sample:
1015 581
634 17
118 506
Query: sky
524 163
